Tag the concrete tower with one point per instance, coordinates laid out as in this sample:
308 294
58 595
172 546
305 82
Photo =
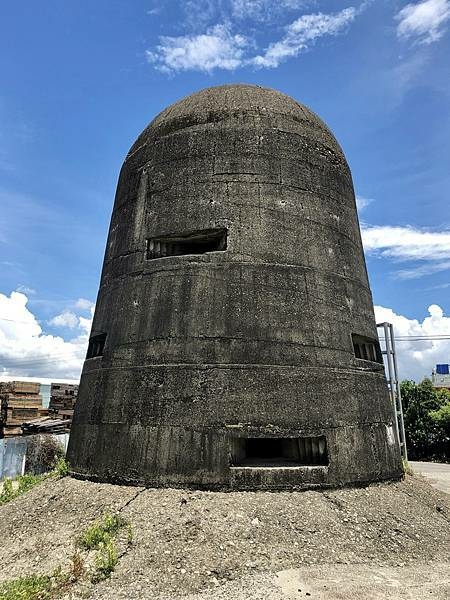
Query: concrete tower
234 342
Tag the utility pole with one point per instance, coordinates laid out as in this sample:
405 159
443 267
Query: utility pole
394 384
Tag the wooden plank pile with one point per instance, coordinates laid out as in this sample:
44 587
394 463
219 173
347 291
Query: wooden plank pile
21 401
46 425
63 398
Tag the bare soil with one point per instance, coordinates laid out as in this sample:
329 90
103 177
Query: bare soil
388 540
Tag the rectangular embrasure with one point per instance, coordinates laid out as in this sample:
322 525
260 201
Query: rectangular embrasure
366 348
198 242
279 452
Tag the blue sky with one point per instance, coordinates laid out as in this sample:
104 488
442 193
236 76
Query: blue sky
80 80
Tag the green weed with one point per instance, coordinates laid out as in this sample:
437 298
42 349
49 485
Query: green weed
61 468
12 488
32 587
101 532
130 534
8 492
39 587
105 561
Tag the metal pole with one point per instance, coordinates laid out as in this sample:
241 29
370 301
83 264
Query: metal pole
399 403
390 366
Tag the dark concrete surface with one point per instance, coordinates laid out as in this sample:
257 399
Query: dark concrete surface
249 341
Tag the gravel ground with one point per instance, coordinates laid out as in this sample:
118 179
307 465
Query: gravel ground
240 545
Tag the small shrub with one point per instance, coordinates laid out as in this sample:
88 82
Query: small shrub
105 561
31 587
101 531
61 467
43 452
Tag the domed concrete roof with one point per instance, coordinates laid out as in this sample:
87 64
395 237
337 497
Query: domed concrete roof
220 103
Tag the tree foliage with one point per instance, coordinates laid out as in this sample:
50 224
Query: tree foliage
427 420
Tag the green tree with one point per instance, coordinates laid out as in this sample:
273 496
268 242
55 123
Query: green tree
426 422
441 421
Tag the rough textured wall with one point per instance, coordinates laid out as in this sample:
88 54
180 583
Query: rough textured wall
203 351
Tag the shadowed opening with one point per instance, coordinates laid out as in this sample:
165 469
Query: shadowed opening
96 346
279 452
199 242
366 348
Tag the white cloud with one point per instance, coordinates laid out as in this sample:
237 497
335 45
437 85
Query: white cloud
262 10
65 319
84 304
416 358
422 270
25 350
26 290
301 34
221 48
362 203
424 20
403 244
216 49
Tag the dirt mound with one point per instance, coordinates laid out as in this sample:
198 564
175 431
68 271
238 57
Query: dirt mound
186 541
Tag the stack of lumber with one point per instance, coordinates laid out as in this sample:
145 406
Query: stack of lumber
46 425
21 401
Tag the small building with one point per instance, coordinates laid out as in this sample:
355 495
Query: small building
234 344
440 376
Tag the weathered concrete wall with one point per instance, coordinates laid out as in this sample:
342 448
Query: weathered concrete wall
253 341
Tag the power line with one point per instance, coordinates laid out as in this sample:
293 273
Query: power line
16 321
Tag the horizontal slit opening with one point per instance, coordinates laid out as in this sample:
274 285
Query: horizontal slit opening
198 242
278 452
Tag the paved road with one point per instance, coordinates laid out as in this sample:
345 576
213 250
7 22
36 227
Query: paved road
336 582
437 473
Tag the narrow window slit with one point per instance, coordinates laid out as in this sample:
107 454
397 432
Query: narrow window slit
366 348
279 452
199 242
96 345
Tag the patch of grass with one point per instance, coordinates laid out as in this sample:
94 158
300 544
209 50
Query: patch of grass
105 561
24 483
12 488
29 481
101 532
43 587
100 536
8 492
32 587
